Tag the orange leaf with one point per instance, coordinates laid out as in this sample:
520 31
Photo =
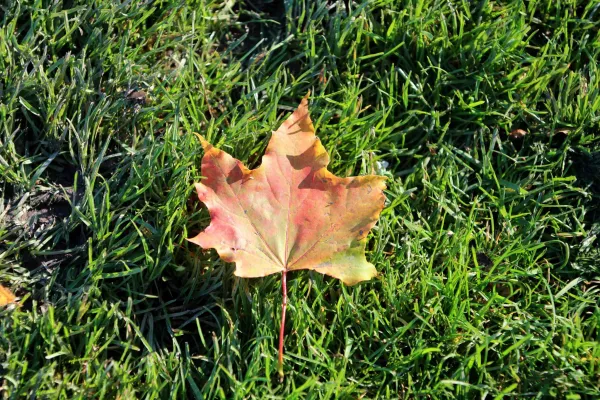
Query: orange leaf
6 296
290 213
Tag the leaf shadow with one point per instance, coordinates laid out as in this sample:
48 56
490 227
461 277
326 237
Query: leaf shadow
235 175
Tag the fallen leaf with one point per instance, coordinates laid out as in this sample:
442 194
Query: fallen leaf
137 96
518 133
6 296
290 213
563 131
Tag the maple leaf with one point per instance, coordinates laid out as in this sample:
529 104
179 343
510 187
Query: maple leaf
290 213
6 296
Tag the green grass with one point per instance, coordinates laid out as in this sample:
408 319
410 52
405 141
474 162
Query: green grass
487 250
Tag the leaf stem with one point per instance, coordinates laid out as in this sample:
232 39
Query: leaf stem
282 328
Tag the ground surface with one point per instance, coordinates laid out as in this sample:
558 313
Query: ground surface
484 116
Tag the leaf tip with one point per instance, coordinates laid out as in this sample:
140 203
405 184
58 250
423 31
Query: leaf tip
304 103
366 275
205 144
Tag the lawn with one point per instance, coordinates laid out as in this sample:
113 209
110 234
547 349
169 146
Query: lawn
484 116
